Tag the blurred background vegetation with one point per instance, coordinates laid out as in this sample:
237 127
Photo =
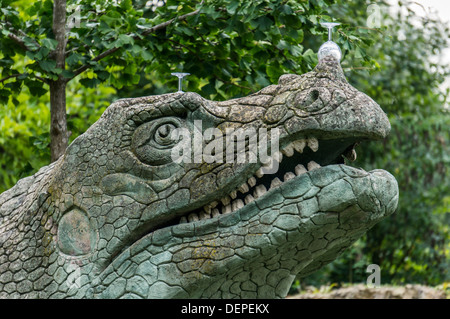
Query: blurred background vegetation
392 62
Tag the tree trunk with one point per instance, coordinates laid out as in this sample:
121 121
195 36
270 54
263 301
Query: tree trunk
58 130
58 124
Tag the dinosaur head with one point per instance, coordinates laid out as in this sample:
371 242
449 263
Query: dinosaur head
133 219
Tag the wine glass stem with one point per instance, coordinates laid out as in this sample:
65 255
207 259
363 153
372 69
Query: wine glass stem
179 83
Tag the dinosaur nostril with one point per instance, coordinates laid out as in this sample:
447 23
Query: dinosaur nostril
310 100
313 95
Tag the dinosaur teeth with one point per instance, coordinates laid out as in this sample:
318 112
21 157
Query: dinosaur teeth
350 155
353 156
207 209
226 200
234 202
244 188
248 199
213 204
259 191
226 209
205 215
193 217
259 173
251 181
299 145
238 203
275 182
313 144
288 176
313 165
300 169
288 150
215 212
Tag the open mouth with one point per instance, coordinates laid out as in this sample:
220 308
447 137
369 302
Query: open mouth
295 159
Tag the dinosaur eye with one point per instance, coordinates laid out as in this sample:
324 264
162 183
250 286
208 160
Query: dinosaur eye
153 141
163 134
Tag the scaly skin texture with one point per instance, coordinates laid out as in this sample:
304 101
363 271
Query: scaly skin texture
104 220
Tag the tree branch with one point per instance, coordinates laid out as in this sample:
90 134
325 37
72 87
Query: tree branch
167 23
235 84
17 75
187 48
18 40
13 36
9 77
41 79
136 37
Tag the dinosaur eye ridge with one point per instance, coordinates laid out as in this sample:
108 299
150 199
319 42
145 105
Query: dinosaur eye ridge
153 141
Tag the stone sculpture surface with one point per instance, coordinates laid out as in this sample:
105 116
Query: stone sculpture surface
116 217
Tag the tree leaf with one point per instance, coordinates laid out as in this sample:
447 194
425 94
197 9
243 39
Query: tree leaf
102 75
232 7
264 23
48 66
146 55
35 87
50 44
122 40
67 74
73 59
90 83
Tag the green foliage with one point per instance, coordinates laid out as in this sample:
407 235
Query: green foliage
24 128
23 136
413 245
233 47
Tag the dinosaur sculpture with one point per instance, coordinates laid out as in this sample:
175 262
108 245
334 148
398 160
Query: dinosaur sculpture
116 217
